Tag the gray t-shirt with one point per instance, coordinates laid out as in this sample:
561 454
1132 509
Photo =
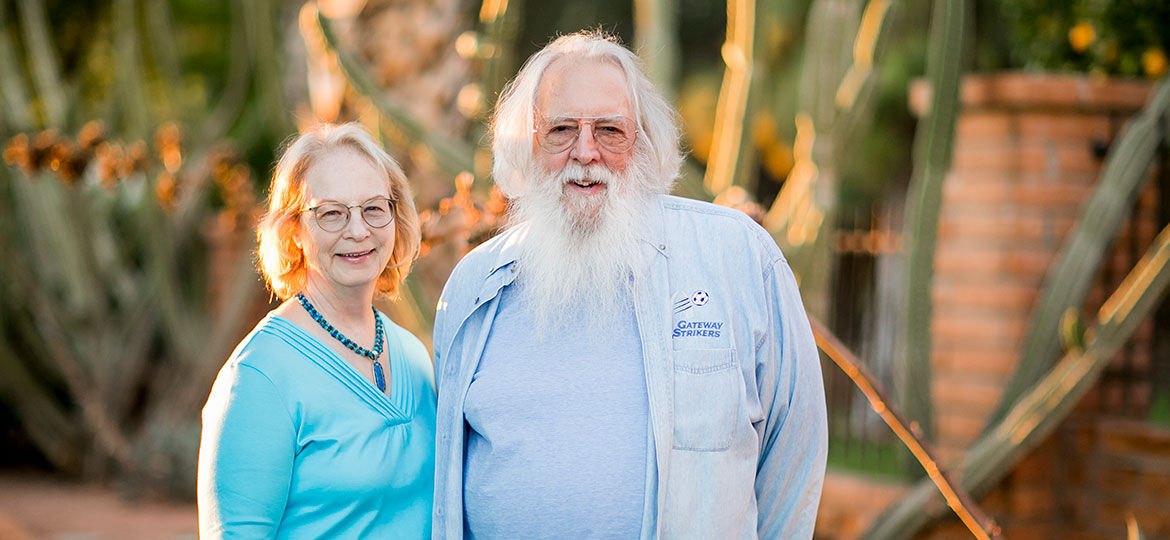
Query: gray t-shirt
557 438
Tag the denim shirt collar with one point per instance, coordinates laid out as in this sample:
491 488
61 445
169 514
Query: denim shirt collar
655 233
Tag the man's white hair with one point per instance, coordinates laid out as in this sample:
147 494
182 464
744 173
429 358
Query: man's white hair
512 125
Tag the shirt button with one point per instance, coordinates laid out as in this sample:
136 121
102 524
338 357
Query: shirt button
662 247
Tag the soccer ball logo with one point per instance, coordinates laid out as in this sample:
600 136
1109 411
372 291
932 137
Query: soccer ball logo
700 298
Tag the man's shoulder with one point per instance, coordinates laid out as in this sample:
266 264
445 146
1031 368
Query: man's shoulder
674 203
704 220
476 268
499 250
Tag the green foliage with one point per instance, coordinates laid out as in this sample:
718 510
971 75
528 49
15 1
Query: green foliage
878 163
126 285
127 264
1122 37
879 459
1160 408
455 156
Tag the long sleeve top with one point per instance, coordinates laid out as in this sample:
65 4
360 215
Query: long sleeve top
296 443
733 379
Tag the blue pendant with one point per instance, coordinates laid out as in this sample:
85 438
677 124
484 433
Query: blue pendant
379 377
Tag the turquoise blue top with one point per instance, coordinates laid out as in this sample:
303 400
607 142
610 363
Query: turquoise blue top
297 444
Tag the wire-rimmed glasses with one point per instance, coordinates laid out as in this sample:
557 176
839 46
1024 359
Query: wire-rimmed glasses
614 133
333 216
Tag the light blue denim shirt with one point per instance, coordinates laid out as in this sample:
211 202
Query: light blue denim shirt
737 407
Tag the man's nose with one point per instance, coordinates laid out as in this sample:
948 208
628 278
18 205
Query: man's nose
585 149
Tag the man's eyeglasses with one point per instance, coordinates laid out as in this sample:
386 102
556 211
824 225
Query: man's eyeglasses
334 216
613 133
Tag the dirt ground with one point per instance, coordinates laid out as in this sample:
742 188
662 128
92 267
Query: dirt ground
37 506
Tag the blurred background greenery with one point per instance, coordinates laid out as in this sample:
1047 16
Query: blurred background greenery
139 135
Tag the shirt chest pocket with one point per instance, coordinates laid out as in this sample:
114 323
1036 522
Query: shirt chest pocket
706 399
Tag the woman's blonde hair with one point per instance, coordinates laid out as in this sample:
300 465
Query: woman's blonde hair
282 262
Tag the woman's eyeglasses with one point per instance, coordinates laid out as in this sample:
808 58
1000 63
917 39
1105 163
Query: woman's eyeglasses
334 216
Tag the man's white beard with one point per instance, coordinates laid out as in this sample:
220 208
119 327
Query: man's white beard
579 253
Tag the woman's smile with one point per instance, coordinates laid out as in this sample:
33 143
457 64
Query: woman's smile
356 256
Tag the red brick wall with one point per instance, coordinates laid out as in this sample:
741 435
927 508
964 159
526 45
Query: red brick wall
1084 483
1024 165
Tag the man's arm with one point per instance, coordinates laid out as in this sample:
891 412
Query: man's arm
794 442
442 521
439 338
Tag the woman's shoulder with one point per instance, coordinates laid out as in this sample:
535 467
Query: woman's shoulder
258 369
267 347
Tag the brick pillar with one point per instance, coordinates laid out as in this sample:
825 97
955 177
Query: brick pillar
1027 154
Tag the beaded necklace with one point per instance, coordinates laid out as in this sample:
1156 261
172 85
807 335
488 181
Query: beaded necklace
379 377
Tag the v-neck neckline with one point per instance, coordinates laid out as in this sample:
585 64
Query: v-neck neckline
395 406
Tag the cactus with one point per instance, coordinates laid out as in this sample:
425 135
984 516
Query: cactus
656 41
932 159
107 259
835 96
956 497
43 62
1041 409
731 149
1068 279
128 274
14 91
454 156
501 20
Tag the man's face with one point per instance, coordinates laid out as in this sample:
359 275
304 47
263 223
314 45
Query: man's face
586 199
589 89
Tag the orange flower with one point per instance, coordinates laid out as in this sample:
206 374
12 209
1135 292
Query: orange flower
1082 36
1154 62
164 189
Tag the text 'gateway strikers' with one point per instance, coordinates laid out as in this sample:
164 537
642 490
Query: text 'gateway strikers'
697 329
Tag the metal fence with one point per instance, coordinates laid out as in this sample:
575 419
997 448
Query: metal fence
867 286
1137 383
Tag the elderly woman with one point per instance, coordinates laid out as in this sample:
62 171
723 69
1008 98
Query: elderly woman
322 422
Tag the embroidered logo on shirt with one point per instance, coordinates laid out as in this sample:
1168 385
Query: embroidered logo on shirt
698 298
685 328
697 329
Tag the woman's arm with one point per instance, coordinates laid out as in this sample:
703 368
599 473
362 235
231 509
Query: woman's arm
246 456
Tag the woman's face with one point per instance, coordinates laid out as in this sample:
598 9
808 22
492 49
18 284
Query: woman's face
353 257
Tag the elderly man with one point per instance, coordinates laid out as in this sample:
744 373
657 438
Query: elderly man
620 363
